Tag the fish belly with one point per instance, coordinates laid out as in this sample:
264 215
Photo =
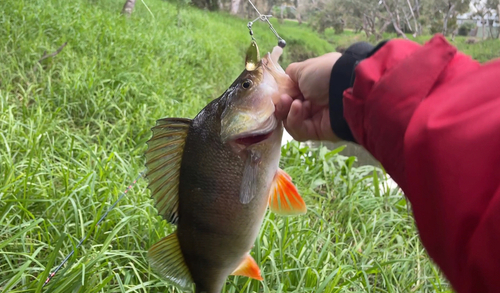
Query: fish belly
215 229
214 249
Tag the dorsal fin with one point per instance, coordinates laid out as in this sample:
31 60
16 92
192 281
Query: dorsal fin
163 161
166 259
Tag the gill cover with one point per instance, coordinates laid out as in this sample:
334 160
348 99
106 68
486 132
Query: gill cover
249 107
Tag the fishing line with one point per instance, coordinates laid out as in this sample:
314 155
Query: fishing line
51 275
281 43
264 18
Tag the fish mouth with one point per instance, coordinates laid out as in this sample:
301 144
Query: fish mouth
259 135
252 139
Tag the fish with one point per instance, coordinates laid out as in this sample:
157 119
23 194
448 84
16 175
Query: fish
216 175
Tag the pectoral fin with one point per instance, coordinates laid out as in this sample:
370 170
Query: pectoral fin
167 260
284 198
250 172
248 268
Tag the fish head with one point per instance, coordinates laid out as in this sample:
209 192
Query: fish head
248 116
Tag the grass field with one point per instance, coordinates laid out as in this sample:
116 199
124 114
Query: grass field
482 50
72 137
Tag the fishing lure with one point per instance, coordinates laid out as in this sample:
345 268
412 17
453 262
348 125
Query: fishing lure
281 43
264 18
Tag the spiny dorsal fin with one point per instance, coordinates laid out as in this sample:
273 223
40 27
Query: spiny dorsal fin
166 259
163 161
284 198
248 268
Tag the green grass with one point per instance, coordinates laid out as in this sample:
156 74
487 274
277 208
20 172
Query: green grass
482 51
72 137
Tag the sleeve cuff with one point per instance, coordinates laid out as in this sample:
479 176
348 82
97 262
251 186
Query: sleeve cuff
342 78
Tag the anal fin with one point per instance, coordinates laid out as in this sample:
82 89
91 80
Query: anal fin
284 198
167 260
248 268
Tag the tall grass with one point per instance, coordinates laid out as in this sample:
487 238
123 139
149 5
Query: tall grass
72 134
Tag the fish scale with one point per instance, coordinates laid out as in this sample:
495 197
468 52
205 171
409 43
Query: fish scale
211 203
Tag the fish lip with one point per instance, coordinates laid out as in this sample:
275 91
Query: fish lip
257 136
270 60
252 139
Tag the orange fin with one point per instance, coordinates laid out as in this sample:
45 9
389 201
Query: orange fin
248 268
284 198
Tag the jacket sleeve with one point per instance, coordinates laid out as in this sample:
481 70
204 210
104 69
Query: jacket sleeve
431 116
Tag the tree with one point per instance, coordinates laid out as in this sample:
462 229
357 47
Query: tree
494 5
368 16
449 13
451 8
298 5
441 14
322 14
393 13
416 15
455 7
417 30
482 10
128 7
211 5
235 6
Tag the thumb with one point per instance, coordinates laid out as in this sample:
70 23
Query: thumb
294 70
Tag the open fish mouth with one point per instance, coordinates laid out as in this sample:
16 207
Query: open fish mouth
253 139
259 135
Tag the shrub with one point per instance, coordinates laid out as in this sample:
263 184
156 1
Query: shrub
465 28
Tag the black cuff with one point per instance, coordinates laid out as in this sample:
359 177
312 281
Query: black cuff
342 78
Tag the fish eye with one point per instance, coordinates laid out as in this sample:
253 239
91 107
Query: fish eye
246 84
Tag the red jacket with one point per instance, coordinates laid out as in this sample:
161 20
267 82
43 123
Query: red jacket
431 116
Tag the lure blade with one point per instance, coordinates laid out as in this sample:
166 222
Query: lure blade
253 57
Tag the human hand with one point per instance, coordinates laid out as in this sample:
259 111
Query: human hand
308 115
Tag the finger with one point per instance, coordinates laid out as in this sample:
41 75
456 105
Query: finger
306 109
299 97
283 107
295 122
325 127
294 70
